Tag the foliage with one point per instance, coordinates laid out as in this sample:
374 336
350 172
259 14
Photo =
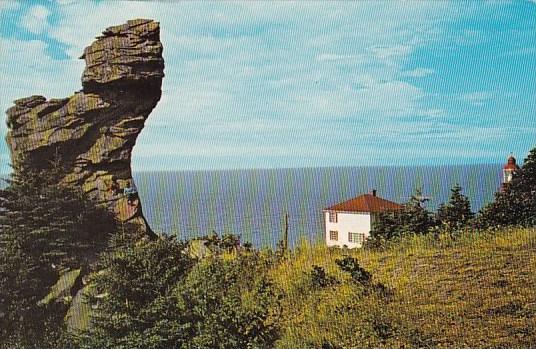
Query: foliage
413 218
225 243
457 212
230 303
351 266
55 221
153 294
320 279
516 203
46 228
134 299
24 281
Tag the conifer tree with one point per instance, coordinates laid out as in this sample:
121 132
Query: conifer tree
516 203
416 218
457 212
136 306
153 294
46 228
413 218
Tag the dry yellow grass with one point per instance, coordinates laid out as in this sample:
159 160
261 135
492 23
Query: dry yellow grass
471 290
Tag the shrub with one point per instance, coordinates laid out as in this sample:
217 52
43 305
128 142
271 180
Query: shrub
153 294
351 266
319 278
229 303
135 306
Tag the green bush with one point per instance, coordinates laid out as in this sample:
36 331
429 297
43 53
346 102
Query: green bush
320 279
351 266
154 294
134 300
230 303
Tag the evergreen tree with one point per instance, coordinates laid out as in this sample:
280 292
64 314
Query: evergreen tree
457 212
46 228
416 218
413 218
152 294
135 303
516 203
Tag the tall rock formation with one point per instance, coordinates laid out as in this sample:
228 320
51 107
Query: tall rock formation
93 131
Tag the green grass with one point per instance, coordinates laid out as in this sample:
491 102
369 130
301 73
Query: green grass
470 290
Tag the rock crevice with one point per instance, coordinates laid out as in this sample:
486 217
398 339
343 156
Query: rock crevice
95 130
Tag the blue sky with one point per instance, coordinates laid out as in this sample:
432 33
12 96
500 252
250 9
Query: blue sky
294 84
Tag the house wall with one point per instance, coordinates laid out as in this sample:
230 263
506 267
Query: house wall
347 222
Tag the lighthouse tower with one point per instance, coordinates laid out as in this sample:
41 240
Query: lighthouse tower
509 169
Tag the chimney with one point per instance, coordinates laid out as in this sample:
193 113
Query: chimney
373 192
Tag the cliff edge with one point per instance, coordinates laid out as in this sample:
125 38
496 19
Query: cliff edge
94 131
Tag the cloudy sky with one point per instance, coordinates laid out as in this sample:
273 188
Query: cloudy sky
293 84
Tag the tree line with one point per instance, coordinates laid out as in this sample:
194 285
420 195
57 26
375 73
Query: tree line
514 205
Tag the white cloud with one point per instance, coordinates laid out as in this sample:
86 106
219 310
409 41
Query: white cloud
417 72
434 113
477 98
196 148
8 5
30 71
63 2
525 51
97 17
36 19
333 57
390 54
376 100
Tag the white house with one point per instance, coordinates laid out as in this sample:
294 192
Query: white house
349 223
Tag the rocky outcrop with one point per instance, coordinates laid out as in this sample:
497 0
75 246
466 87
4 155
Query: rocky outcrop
93 131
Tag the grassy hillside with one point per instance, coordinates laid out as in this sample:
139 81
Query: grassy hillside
472 290
463 291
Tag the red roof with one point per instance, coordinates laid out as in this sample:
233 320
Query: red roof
366 203
511 165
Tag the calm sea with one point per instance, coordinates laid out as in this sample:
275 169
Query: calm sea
253 203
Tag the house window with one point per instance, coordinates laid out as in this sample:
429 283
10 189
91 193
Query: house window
333 217
357 238
333 235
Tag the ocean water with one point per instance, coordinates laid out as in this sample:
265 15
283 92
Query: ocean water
253 203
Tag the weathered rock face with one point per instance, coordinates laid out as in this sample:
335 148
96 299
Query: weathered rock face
93 131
